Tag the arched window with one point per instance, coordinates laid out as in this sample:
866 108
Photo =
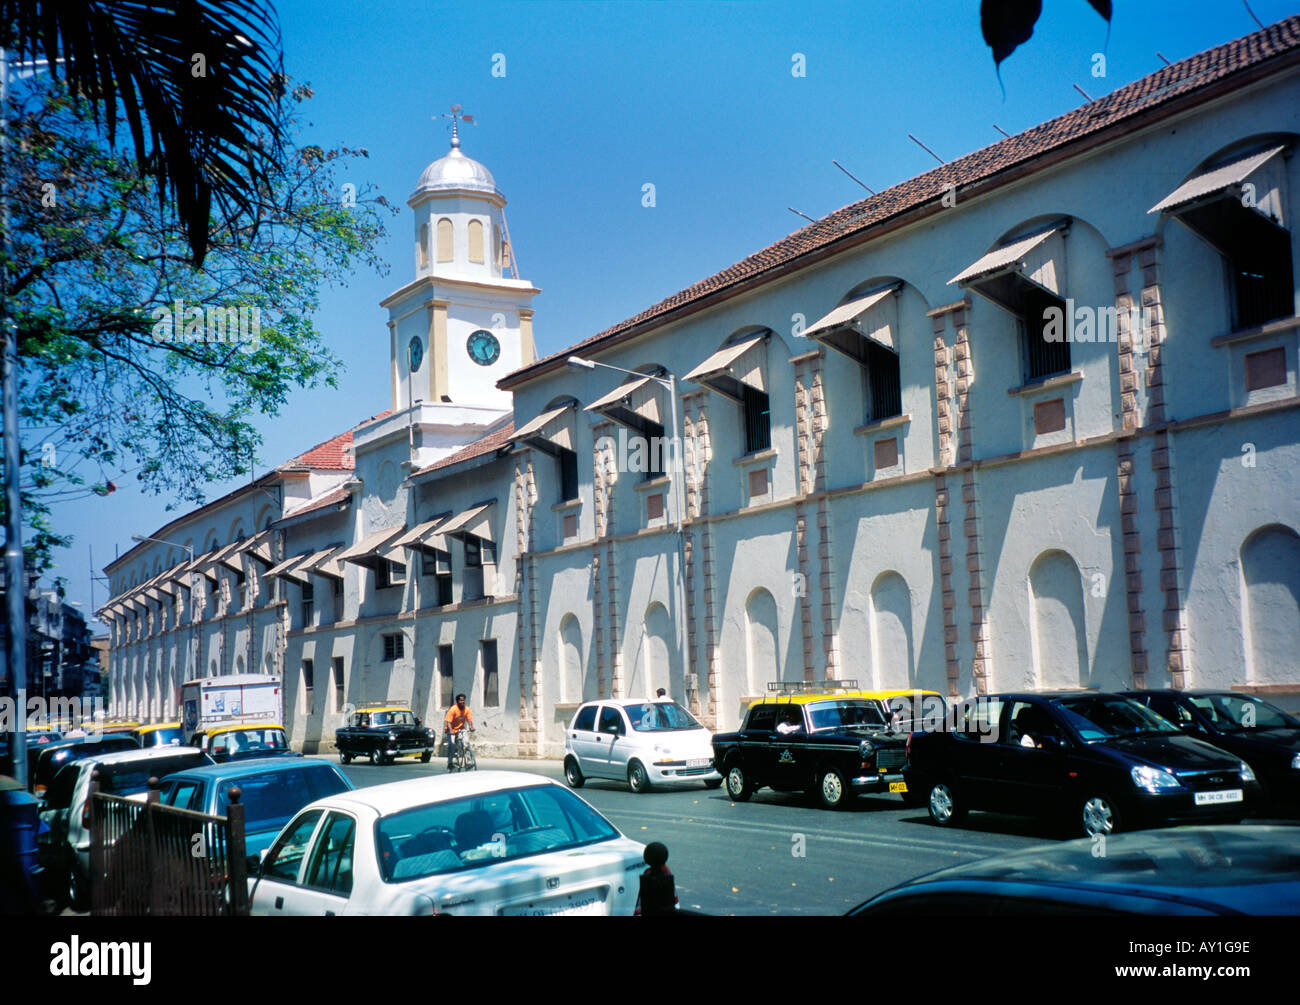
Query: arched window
1270 570
1056 601
893 662
760 629
444 240
476 241
424 245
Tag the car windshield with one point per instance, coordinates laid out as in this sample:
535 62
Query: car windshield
917 710
660 717
392 719
242 741
843 713
1097 718
270 798
162 738
477 831
1237 713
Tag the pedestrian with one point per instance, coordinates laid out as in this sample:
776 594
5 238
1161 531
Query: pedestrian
661 693
658 893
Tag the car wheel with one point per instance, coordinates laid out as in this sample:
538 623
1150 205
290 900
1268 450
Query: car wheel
637 779
1097 815
738 784
78 899
945 810
712 783
375 758
573 774
424 758
832 790
345 757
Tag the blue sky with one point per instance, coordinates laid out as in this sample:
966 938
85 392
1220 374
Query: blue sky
697 98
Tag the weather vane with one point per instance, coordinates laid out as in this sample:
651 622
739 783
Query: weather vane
457 117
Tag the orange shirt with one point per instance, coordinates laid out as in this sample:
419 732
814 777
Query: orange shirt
456 720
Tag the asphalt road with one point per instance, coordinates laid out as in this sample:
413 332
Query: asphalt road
776 854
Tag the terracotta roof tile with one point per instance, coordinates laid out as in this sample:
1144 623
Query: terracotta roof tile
1141 96
483 445
330 498
333 454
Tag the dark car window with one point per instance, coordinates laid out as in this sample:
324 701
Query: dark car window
844 713
762 717
272 797
133 776
978 719
59 795
1028 725
331 863
285 858
1237 713
610 720
659 717
1102 717
183 794
1170 708
789 719
586 718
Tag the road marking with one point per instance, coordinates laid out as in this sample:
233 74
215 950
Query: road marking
839 837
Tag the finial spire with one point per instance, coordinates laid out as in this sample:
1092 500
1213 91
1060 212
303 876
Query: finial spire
457 117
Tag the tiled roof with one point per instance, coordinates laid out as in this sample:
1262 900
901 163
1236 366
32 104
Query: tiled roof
983 166
333 454
330 498
483 445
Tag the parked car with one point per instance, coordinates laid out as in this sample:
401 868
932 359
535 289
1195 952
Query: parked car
642 742
1220 870
272 790
44 766
66 846
486 842
239 742
1260 733
158 734
1096 762
384 732
832 743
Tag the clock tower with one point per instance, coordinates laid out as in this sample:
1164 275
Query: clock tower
465 320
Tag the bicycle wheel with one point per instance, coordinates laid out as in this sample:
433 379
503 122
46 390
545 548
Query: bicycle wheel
471 764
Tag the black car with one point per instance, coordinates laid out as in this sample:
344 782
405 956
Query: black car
1188 871
1261 734
43 767
382 733
1096 762
832 745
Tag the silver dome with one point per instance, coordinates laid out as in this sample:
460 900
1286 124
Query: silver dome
456 171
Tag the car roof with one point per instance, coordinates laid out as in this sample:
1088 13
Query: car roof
1179 860
385 708
215 730
147 754
252 766
625 702
158 725
807 698
392 797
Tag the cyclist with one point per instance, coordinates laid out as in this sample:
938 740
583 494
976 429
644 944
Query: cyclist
458 717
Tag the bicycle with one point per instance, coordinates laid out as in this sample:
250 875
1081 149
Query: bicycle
462 757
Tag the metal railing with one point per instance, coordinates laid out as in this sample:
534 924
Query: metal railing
150 859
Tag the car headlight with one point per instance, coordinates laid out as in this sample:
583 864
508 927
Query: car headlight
1295 762
865 749
392 736
1247 775
1153 779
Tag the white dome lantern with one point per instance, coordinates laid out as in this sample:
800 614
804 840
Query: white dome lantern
456 172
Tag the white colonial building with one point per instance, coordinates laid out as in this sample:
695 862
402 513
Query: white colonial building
1028 420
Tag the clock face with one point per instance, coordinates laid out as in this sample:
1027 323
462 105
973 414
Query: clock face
483 348
415 353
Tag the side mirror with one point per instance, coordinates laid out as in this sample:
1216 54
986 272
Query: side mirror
253 863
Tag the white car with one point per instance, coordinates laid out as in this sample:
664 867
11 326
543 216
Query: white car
638 741
66 812
489 843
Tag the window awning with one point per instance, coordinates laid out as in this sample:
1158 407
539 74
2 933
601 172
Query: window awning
634 404
1211 205
473 522
1216 181
1005 275
168 582
288 569
844 329
259 547
733 365
153 594
321 563
549 432
422 537
368 552
229 556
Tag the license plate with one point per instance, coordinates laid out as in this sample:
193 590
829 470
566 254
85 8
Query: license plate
698 762
576 904
1222 796
897 786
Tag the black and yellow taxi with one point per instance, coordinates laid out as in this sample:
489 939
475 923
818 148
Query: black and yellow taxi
159 734
384 731
827 738
240 741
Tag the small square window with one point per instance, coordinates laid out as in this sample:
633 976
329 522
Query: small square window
570 526
1049 416
1265 369
758 482
654 506
886 452
394 648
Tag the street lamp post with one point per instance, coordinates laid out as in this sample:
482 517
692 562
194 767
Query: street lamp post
189 548
679 501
